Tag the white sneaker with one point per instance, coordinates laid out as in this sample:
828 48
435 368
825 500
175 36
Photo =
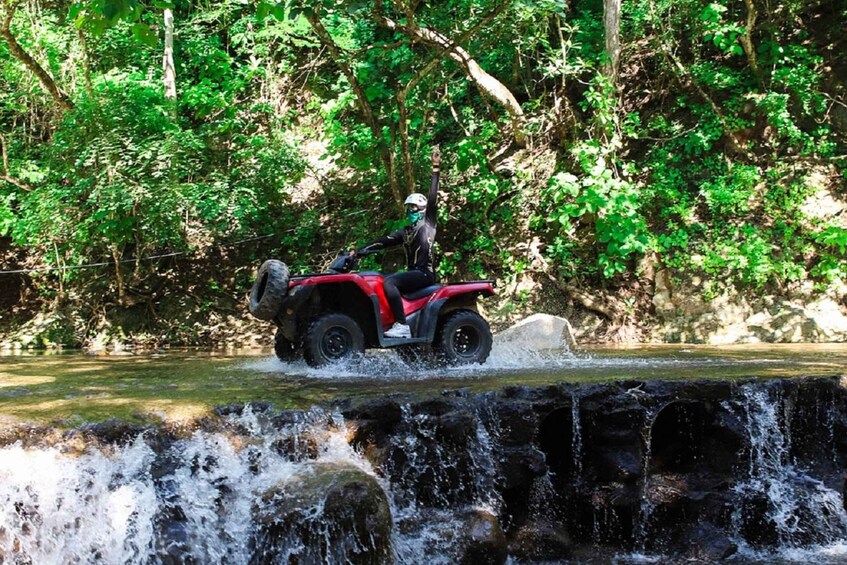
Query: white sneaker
399 330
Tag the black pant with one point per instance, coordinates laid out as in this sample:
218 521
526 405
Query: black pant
409 281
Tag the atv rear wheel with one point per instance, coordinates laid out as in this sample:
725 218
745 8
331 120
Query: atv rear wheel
331 338
269 290
463 338
286 349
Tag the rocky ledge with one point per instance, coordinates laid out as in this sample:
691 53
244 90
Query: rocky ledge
700 470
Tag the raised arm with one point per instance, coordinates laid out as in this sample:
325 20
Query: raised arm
432 199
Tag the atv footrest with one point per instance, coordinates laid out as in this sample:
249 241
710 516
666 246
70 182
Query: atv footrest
394 342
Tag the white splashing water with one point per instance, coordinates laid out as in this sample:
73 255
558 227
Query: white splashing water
60 509
432 527
648 505
807 517
576 439
102 506
504 358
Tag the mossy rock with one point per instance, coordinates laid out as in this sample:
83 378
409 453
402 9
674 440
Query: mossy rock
332 513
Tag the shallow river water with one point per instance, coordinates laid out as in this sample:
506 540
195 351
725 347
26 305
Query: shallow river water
72 388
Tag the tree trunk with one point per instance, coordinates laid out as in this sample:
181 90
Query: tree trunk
86 64
612 23
59 97
403 115
487 84
119 278
746 40
168 58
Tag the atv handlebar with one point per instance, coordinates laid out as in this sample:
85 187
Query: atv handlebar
347 261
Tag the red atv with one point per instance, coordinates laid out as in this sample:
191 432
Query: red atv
336 315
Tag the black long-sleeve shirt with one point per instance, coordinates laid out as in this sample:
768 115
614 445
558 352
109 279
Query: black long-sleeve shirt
418 238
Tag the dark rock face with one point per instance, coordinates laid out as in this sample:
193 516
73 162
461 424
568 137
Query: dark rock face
676 468
336 514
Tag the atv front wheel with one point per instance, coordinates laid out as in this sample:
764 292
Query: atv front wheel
332 338
269 290
464 338
285 349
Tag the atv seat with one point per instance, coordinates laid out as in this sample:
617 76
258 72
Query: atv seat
426 291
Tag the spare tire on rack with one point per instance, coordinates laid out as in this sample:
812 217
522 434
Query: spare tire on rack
269 290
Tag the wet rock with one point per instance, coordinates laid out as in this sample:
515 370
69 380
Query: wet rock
514 421
333 512
234 409
436 406
455 427
374 419
484 540
708 542
620 465
173 544
113 431
539 332
844 493
297 447
541 540
286 419
237 409
518 466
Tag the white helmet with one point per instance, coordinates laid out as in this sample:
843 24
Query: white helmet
416 199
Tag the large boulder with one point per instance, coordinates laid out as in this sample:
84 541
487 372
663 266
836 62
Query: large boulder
540 332
331 513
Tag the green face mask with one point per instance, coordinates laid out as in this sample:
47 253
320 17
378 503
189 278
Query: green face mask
414 217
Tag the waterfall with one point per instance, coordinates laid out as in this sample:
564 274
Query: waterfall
131 505
647 505
576 440
437 479
801 512
702 471
55 508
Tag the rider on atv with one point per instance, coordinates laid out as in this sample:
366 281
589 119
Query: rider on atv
417 239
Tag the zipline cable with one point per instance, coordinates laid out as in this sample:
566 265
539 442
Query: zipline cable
152 257
148 258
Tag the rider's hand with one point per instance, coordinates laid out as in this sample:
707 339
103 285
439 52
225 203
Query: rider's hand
353 252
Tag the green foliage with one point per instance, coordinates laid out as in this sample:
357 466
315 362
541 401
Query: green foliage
692 153
612 204
730 194
720 32
599 195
